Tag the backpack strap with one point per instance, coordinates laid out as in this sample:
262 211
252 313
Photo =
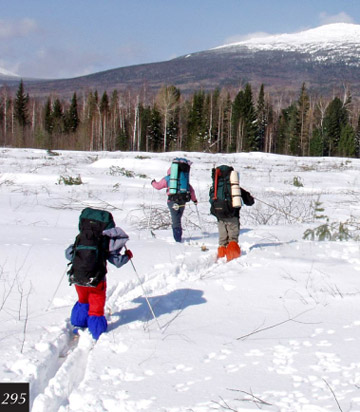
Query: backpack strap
217 174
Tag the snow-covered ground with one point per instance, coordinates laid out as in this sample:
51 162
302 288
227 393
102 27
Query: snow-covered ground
276 329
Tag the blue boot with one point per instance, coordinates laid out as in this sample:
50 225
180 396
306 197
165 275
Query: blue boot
177 233
97 325
79 315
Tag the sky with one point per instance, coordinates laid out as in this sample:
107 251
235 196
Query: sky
70 38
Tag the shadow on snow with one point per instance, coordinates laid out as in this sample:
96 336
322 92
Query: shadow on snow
176 300
271 244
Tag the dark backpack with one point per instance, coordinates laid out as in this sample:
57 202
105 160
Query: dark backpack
91 248
179 181
220 193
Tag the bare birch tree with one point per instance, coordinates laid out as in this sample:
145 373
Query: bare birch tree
167 100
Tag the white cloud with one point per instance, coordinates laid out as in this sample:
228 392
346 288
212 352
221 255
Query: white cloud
243 37
341 17
17 28
60 63
6 69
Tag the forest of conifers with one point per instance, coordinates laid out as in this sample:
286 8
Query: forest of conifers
222 121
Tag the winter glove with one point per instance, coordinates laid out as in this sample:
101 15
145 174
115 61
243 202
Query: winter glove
153 181
195 202
128 253
246 197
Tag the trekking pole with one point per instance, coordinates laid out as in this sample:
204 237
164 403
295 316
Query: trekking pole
151 202
279 210
56 290
198 215
145 295
203 246
176 206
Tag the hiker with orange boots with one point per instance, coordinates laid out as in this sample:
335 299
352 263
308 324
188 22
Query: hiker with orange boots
226 199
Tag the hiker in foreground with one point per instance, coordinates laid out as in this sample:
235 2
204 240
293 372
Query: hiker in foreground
226 199
98 241
179 191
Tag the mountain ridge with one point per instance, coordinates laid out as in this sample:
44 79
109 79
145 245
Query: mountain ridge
324 58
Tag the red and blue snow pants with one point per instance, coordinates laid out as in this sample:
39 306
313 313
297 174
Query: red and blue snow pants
95 297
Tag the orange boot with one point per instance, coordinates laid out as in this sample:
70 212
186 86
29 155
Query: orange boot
232 251
221 252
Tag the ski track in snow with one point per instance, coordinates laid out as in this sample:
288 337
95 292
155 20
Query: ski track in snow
66 358
77 361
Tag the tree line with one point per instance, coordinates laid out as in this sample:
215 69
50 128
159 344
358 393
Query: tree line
222 121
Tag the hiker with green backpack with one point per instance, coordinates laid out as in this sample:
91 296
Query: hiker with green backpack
226 198
99 241
179 191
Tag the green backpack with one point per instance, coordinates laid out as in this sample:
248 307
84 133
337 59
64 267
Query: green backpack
91 248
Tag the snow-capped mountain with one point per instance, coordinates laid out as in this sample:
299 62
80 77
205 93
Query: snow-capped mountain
331 42
325 58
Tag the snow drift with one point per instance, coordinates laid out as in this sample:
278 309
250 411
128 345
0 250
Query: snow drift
276 329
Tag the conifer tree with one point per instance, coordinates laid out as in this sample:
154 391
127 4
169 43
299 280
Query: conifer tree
196 124
104 112
237 123
225 133
281 136
48 118
114 118
316 143
336 117
293 131
21 106
154 134
57 117
347 144
72 120
357 138
244 122
288 141
261 118
303 107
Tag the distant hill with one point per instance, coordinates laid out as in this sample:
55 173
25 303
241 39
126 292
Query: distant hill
325 58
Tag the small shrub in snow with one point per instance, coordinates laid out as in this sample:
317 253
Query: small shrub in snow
334 231
7 182
142 157
69 180
120 171
297 182
280 209
52 153
155 217
318 210
116 187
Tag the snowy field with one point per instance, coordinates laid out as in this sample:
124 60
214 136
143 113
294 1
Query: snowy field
277 329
